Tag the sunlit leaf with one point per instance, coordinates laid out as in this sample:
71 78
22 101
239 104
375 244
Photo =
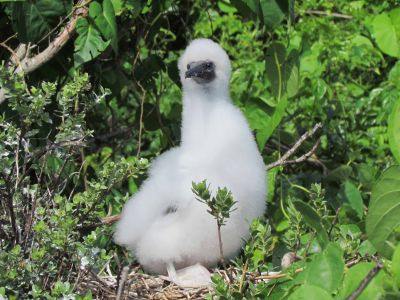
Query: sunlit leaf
309 292
396 265
386 31
384 210
326 269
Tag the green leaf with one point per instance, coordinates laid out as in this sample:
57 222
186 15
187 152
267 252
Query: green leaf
33 20
132 186
366 175
386 32
394 75
354 198
275 58
394 130
89 43
104 18
268 12
326 269
292 73
309 292
366 248
272 122
353 278
272 13
271 179
396 265
53 164
312 219
282 71
339 174
384 210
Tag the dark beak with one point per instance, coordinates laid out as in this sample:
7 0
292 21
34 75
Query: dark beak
201 71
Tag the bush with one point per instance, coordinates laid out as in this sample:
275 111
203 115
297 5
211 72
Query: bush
78 128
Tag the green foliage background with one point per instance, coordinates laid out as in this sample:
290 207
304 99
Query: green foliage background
77 133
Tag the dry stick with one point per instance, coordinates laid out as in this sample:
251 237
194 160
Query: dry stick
244 270
141 119
329 14
15 55
124 276
365 281
276 276
304 156
29 64
110 219
284 160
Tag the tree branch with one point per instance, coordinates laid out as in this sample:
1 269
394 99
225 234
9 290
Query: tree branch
284 160
363 284
110 220
29 64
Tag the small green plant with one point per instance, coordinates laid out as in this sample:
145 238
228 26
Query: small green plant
220 206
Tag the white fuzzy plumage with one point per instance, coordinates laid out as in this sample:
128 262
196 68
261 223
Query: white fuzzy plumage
216 145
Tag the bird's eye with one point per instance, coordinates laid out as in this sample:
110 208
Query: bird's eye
209 65
188 66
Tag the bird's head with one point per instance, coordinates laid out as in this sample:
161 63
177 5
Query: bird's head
204 64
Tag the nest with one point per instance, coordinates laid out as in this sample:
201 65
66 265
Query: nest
136 285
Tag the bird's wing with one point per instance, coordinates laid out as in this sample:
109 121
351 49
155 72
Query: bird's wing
155 198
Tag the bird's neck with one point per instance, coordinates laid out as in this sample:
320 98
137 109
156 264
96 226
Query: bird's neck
198 107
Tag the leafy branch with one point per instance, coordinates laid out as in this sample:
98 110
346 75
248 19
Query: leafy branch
220 207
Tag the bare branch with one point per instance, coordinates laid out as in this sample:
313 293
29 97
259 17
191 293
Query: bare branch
276 276
284 160
363 284
329 14
29 64
110 219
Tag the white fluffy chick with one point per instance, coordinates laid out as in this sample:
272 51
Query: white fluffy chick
163 223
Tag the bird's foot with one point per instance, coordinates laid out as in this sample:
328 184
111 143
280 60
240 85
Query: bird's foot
189 277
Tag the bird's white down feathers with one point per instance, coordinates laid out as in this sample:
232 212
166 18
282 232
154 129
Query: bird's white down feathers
163 222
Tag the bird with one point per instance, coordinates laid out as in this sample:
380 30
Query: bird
163 223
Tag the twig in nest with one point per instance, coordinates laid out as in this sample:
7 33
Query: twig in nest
284 160
124 276
365 281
